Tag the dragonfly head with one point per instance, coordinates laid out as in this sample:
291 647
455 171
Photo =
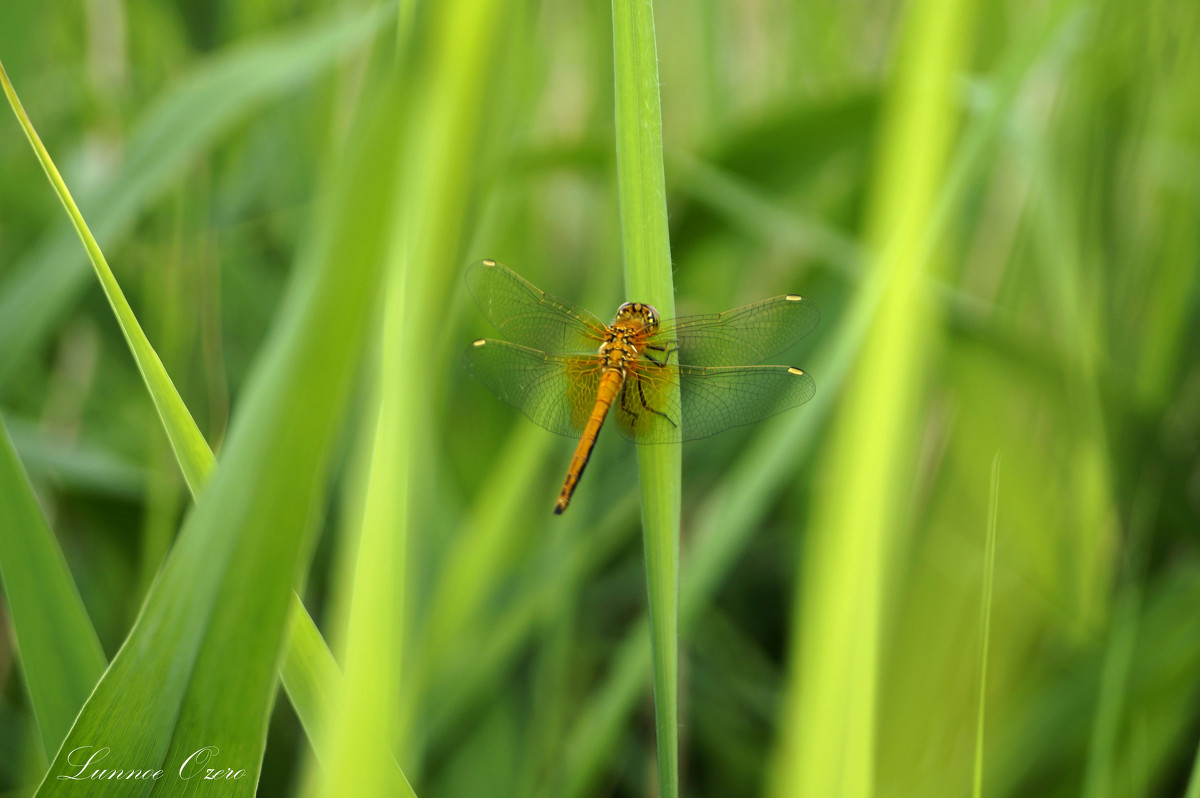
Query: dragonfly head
639 314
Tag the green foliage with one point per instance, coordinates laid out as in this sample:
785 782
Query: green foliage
993 204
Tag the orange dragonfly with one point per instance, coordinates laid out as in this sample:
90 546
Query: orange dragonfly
568 370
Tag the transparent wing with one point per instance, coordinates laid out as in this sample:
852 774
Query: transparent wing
745 335
711 400
557 392
523 313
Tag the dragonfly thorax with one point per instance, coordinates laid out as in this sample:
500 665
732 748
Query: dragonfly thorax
619 349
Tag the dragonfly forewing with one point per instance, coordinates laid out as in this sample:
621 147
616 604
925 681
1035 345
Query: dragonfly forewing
742 336
522 312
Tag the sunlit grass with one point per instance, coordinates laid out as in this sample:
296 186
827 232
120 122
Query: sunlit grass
840 619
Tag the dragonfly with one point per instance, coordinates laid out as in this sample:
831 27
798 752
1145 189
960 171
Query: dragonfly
662 381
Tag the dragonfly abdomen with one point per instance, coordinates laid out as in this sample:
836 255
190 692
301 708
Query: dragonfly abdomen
610 386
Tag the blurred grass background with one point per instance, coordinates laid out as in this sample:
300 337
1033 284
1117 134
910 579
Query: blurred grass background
1059 318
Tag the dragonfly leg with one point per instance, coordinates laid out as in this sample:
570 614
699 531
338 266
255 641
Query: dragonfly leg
668 350
645 404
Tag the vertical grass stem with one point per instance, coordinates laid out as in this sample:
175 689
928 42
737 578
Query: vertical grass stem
642 189
985 621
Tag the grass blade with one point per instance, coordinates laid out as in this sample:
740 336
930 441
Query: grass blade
313 681
60 655
191 450
985 622
193 114
642 187
76 465
1193 788
448 91
829 723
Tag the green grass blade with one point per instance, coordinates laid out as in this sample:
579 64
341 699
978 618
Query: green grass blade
191 116
486 538
829 722
449 92
1193 788
501 643
309 674
647 248
367 699
313 681
985 623
76 465
191 450
1107 755
199 665
1103 760
60 655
